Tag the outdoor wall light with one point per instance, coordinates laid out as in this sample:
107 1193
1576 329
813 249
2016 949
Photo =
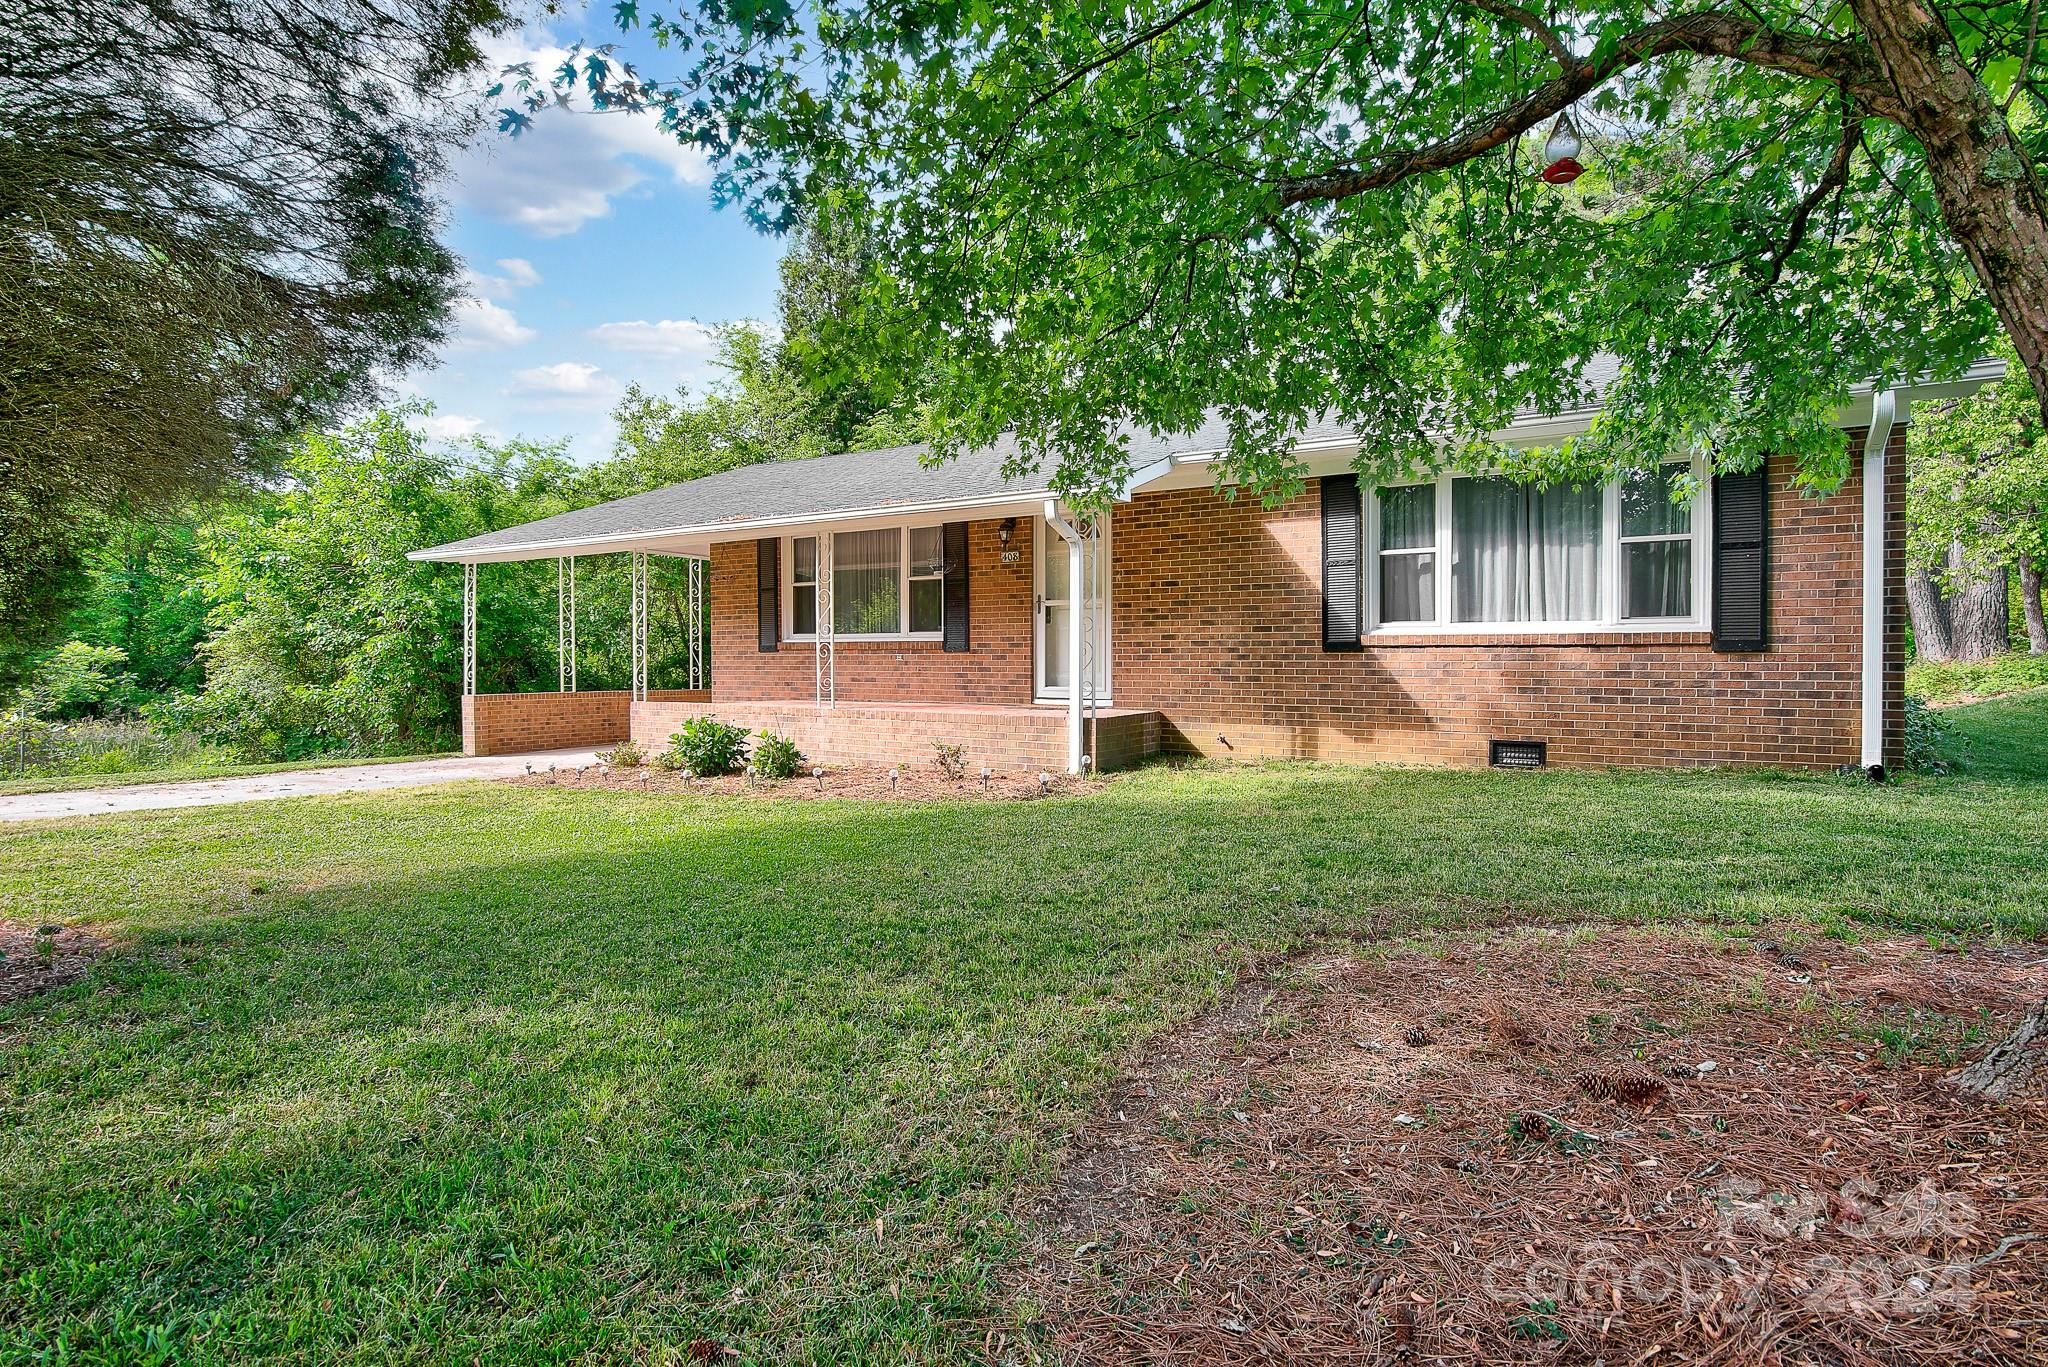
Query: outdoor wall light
1007 530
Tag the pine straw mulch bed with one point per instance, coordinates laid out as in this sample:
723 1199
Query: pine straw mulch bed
37 958
1620 1146
921 784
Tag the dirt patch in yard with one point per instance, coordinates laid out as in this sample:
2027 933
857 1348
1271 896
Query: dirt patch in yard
1623 1146
847 781
37 958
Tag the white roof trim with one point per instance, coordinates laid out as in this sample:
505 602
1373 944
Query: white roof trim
1856 413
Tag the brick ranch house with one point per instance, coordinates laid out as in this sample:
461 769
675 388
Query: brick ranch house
867 606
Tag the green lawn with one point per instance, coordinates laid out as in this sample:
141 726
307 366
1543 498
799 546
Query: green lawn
528 1075
2005 738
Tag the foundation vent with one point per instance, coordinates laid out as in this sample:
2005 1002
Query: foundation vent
1517 754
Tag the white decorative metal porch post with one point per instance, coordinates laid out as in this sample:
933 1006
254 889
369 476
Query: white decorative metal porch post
827 633
1091 533
639 571
695 595
565 621
469 629
1077 582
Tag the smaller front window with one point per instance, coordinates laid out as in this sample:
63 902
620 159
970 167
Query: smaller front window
1408 553
803 596
1656 546
927 578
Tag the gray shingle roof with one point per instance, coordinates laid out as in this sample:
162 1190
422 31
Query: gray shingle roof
821 487
849 483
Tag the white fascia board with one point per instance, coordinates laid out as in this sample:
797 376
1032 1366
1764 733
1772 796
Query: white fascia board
674 540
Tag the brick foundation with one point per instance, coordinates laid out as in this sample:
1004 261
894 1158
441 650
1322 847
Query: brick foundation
1006 739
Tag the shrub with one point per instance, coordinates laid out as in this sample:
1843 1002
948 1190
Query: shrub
624 755
951 760
1927 735
32 747
777 756
709 746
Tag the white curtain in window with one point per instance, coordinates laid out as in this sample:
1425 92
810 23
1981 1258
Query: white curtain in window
867 582
1524 554
1564 557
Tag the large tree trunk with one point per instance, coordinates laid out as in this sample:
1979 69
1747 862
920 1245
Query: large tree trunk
2030 606
1979 609
1983 179
2009 1068
1933 639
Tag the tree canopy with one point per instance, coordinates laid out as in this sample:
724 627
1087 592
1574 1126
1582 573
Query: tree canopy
216 229
1087 216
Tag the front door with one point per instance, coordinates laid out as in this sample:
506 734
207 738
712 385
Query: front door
1054 667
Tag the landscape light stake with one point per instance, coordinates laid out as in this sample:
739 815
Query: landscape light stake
893 775
750 775
1044 783
818 773
984 778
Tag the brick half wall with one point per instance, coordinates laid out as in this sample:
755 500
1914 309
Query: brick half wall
516 723
1008 740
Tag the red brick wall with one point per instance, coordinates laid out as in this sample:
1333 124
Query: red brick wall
1218 625
996 669
514 723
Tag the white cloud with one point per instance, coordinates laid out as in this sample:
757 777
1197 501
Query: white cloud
449 426
517 275
565 384
481 325
569 165
679 339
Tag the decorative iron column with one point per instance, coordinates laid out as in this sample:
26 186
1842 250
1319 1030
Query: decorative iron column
826 635
639 595
565 621
469 629
698 673
1077 583
1091 640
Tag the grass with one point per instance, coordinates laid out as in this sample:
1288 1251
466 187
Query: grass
2000 738
192 773
1948 683
521 1074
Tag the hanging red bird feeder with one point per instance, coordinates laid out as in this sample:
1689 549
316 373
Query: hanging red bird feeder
1561 151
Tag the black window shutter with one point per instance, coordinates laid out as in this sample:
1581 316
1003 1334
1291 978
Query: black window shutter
1343 615
1742 561
770 585
956 587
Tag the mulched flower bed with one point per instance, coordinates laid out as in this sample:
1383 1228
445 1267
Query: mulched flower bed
32 961
922 784
1625 1147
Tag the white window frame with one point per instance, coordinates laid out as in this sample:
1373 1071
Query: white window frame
787 573
1617 602
1610 618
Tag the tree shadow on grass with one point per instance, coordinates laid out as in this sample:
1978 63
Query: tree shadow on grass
536 1074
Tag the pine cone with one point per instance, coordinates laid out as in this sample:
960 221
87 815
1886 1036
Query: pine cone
1628 1085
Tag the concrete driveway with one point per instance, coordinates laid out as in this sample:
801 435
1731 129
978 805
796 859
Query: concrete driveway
354 778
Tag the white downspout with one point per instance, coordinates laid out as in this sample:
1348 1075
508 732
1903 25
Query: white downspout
1883 413
1074 569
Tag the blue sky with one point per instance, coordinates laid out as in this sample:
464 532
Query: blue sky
595 260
